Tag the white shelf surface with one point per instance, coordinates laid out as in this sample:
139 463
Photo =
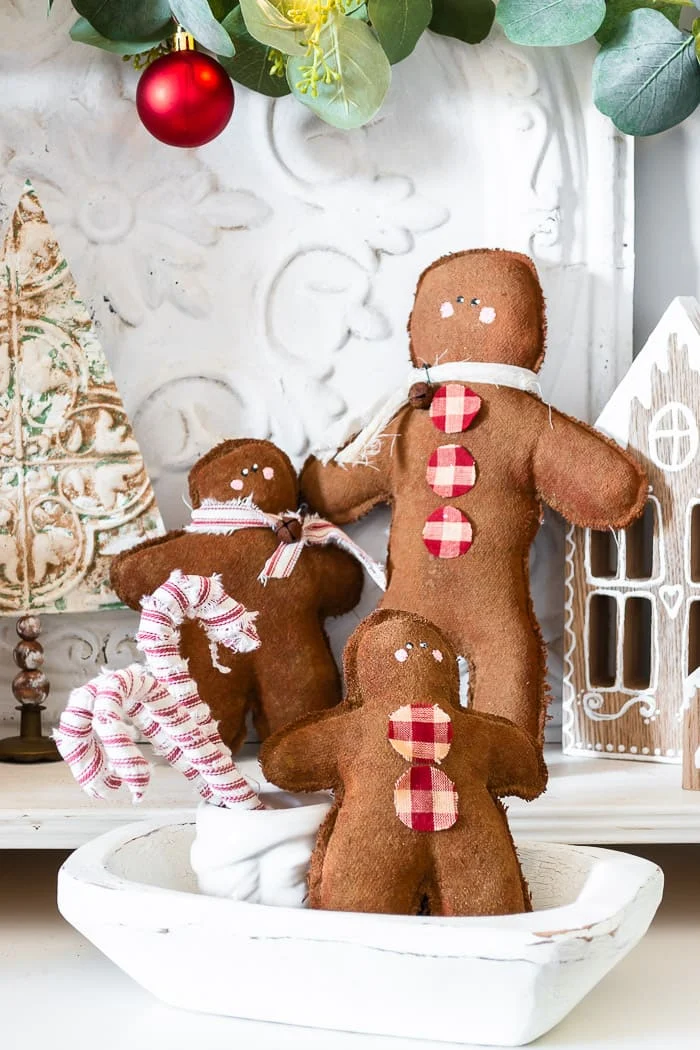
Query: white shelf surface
596 801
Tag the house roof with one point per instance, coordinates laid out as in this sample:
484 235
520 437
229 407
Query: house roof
682 319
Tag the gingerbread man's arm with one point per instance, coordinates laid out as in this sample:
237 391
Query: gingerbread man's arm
304 755
346 493
584 475
340 580
142 569
515 761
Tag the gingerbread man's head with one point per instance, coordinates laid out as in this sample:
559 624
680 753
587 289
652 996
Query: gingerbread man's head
395 654
242 468
481 305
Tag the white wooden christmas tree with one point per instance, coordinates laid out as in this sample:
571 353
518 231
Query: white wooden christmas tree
73 485
632 644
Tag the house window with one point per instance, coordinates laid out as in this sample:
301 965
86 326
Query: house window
602 641
694 545
673 437
693 636
637 643
639 560
603 554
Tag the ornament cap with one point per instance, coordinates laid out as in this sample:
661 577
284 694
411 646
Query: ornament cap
183 41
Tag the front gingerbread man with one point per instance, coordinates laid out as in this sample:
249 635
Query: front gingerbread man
293 672
466 458
417 823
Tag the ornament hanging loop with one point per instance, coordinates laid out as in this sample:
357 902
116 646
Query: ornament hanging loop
183 41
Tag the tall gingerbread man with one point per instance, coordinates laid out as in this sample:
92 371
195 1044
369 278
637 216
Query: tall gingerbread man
417 823
466 453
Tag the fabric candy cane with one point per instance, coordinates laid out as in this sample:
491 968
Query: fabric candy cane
225 518
93 735
179 710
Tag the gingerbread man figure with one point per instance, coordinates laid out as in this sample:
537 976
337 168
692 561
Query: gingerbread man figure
294 571
466 453
417 823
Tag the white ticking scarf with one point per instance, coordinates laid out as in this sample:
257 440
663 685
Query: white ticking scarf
367 443
226 518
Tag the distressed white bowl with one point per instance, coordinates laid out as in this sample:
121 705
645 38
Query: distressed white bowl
501 980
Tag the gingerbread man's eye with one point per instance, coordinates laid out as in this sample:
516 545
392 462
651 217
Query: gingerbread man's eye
475 302
424 645
255 468
460 299
409 645
245 472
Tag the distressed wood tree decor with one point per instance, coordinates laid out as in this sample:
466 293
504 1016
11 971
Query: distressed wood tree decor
632 647
73 485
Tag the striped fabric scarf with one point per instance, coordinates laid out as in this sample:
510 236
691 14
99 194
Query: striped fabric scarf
226 518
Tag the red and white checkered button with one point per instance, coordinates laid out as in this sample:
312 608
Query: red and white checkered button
420 732
454 408
425 799
451 471
447 533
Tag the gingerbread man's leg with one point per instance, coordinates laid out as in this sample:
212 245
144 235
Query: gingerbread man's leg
303 680
228 695
476 866
508 667
368 872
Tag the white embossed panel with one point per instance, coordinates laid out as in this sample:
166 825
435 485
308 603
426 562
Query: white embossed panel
261 285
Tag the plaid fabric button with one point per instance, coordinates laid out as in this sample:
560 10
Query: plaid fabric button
420 732
454 407
425 799
447 533
451 471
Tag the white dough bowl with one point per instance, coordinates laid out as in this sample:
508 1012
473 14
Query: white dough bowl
499 980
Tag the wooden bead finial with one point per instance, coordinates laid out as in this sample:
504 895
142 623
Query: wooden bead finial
30 687
421 395
289 530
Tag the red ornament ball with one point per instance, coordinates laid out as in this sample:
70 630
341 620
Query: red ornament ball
185 99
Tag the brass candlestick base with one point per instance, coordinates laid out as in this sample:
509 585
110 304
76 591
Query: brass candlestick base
30 688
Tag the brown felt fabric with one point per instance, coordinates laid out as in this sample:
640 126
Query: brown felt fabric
293 671
365 858
525 455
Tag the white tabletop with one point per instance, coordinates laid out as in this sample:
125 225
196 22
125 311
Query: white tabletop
57 990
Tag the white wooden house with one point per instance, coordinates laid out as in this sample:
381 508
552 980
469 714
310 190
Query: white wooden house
632 641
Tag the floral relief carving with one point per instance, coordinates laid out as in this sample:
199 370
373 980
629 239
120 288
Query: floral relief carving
261 285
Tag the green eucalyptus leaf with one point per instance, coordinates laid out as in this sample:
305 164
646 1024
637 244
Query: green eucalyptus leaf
647 78
467 20
616 10
84 33
359 74
196 17
399 24
251 65
550 23
268 24
126 20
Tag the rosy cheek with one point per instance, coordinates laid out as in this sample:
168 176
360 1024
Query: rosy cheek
268 473
446 310
401 655
237 484
437 655
487 315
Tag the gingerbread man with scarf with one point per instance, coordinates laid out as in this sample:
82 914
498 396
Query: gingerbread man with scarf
466 453
295 570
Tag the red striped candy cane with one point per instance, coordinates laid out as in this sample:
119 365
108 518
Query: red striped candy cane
179 710
95 740
80 748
